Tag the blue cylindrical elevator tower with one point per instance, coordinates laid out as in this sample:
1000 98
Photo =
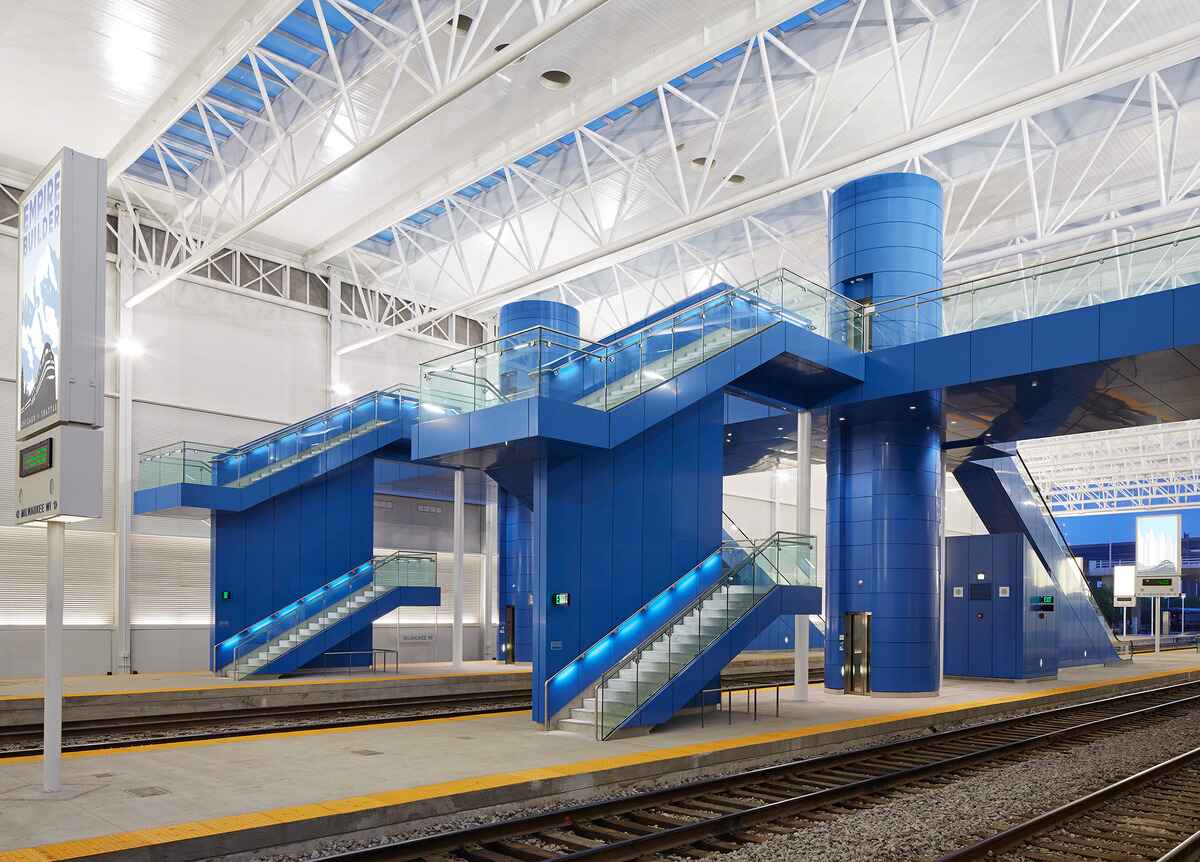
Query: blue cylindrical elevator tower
885 479
516 517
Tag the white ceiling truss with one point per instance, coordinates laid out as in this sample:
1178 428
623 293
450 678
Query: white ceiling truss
1003 103
1125 470
380 68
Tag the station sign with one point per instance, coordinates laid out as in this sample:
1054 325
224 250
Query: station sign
59 475
1158 545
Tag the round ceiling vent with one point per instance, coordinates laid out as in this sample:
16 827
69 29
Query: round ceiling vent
556 79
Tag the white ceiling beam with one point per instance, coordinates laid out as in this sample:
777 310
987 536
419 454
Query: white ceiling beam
688 50
463 84
1052 92
242 32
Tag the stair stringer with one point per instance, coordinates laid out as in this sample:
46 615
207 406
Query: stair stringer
353 623
683 690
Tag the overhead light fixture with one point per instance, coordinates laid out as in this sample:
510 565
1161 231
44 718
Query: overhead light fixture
462 23
341 390
841 418
556 79
504 45
702 162
736 179
129 347
912 406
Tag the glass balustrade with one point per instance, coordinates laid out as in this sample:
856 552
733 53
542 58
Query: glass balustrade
274 636
206 464
547 363
783 559
1124 270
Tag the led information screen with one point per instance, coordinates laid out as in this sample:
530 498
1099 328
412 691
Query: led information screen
36 458
41 301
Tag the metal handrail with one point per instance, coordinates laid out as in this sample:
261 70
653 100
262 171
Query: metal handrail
450 373
687 609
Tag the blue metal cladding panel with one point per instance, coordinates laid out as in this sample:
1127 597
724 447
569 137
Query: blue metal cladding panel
1007 635
1186 316
516 573
1067 338
285 546
884 492
1143 324
943 362
885 241
646 526
1001 351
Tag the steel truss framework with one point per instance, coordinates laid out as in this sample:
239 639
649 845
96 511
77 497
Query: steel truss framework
740 161
379 68
1125 470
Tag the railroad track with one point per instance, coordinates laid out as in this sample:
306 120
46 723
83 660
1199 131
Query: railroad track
96 734
1153 816
728 812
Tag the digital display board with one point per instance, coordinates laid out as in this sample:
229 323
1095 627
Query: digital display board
36 458
40 313
1158 546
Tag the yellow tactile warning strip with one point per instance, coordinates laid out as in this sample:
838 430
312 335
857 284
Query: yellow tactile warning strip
239 689
151 837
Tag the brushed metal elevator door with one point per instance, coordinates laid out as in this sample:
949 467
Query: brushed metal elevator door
856 674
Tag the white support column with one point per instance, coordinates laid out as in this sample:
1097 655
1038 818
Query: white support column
459 527
122 659
803 526
335 337
52 703
489 575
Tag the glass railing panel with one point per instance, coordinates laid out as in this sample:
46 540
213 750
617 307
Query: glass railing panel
658 345
624 375
717 331
688 348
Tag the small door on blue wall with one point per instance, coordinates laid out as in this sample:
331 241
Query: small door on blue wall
856 653
510 634
982 624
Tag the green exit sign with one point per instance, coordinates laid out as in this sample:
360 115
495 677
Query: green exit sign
1043 600
226 595
561 600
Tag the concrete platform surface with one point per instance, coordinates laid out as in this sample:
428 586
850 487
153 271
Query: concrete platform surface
190 800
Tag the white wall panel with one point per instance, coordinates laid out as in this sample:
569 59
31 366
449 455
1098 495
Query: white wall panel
215 350
169 581
386 363
472 564
168 649
88 572
85 651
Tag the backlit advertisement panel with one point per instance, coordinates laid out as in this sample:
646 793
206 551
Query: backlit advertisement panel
1158 545
40 313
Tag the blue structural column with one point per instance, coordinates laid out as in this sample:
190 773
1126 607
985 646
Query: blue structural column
884 472
516 573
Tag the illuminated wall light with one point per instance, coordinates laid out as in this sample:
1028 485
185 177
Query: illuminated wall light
130 347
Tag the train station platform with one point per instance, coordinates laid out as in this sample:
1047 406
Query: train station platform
156 694
191 800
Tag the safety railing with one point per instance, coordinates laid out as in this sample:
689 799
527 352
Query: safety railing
544 362
206 464
284 629
783 559
1119 271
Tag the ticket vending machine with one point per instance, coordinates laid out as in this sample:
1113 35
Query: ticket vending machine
856 653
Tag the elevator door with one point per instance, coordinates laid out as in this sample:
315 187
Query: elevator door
510 634
856 670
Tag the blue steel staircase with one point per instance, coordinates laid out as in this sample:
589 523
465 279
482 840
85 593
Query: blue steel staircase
665 671
295 635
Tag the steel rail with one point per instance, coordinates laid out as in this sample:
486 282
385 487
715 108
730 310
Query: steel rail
1064 815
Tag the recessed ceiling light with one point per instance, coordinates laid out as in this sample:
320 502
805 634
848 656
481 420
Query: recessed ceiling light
736 179
556 79
504 45
702 162
841 418
912 406
462 23
679 147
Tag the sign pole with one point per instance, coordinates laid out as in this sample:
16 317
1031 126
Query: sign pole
1124 622
52 699
1157 625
